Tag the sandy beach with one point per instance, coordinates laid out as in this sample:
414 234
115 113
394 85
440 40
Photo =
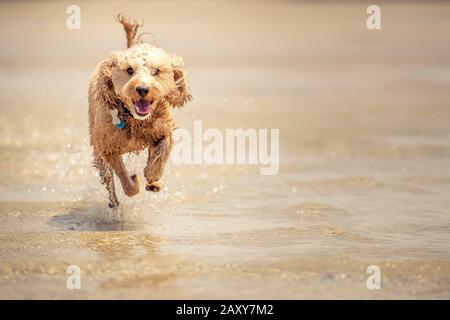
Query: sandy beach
364 175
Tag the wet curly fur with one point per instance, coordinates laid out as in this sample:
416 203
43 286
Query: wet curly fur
143 83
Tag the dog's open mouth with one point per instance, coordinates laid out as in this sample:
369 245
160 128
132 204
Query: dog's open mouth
143 107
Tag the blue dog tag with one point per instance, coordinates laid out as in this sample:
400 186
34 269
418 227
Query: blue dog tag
121 124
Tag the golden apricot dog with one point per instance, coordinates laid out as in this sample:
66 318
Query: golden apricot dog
131 97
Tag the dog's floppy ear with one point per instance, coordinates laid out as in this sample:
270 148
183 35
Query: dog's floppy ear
131 27
105 84
183 92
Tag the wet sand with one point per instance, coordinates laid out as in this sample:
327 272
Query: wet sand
364 155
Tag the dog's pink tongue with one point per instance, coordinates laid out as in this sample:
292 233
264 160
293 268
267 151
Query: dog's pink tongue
143 106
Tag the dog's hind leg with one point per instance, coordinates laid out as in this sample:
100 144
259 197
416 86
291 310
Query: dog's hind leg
130 185
107 178
157 158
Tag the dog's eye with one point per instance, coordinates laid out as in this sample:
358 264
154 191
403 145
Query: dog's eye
130 71
156 71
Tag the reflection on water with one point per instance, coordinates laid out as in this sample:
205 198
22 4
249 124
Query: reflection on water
364 166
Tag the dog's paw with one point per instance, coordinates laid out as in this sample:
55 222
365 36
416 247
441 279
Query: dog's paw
115 214
135 187
154 186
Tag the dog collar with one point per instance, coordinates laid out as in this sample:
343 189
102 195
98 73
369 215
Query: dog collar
116 120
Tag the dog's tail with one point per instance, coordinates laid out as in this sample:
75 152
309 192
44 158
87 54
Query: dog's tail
131 27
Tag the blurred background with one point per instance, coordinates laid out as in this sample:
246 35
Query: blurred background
364 166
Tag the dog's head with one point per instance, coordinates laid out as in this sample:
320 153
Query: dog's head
144 76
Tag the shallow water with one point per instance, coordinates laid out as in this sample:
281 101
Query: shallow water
364 156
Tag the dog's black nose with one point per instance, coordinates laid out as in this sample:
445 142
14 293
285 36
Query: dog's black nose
142 91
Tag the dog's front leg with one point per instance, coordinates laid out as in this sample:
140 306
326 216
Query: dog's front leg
130 185
157 158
